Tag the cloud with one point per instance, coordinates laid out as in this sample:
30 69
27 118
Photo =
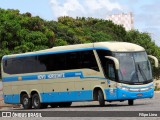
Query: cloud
148 20
86 8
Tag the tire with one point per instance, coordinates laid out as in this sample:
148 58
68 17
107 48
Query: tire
26 102
130 102
65 104
54 105
101 98
36 102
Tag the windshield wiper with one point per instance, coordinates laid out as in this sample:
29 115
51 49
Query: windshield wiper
142 73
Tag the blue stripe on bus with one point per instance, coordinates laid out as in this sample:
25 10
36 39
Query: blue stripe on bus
46 76
71 96
56 52
12 99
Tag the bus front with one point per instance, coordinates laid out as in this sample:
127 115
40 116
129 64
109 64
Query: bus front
129 70
135 79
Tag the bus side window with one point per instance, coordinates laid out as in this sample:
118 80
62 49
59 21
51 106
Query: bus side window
59 62
5 63
73 60
89 60
110 71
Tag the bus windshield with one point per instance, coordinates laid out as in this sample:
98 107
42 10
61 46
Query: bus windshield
134 67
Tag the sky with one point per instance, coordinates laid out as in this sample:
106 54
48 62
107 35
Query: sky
146 12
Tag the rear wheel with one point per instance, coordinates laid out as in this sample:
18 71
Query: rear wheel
36 102
101 98
130 102
26 102
65 104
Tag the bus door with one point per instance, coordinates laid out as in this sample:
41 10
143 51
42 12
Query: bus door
110 73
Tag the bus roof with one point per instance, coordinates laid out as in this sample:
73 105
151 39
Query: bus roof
112 46
119 46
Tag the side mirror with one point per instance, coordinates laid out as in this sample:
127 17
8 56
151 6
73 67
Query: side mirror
155 60
115 60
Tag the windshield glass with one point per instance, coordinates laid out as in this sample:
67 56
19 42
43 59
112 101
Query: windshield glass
134 67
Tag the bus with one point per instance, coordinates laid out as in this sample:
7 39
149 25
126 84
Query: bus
102 71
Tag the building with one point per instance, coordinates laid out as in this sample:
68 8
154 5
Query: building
126 20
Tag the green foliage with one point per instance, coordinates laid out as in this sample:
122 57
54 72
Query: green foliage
60 42
156 88
23 33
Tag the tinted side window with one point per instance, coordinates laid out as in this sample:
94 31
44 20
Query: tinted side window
110 70
107 65
20 65
102 54
73 60
42 63
29 64
88 60
59 62
53 62
13 66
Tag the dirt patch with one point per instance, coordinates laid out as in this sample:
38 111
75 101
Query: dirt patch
3 105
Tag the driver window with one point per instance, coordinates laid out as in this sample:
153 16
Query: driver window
111 71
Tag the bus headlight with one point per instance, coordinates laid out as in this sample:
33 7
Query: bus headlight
123 88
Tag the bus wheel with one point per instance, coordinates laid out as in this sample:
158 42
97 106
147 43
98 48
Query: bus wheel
130 102
54 105
101 98
65 104
26 102
36 102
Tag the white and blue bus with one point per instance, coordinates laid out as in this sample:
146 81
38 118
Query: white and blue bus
103 71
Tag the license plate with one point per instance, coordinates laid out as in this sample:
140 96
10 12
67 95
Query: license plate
139 94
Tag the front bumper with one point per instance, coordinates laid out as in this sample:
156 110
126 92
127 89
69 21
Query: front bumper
126 95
